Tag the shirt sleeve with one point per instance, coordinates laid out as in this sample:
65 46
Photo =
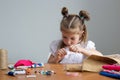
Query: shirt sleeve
53 47
90 45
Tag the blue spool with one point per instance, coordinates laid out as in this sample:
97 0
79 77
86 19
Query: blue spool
49 73
46 72
37 65
11 73
33 66
40 64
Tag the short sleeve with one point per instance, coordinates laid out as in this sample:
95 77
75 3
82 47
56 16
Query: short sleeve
90 45
53 46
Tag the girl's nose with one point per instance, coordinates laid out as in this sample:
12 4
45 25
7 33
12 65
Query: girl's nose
69 42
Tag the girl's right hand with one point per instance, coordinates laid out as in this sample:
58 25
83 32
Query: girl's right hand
60 54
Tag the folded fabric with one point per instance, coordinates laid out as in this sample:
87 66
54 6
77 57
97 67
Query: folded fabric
23 63
109 74
111 67
112 71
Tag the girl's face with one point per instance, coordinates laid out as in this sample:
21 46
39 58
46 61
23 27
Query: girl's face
70 39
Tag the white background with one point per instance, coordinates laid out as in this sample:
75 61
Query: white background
27 27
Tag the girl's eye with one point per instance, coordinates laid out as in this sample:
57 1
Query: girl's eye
64 37
72 38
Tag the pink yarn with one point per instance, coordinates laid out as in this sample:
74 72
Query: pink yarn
23 63
111 67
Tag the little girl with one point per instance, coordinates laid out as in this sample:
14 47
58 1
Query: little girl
74 46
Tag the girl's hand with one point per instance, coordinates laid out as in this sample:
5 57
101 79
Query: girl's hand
60 54
76 48
79 49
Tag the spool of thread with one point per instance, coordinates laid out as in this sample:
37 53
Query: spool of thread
20 72
47 72
3 59
11 73
37 65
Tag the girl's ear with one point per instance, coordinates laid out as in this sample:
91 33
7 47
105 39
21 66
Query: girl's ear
81 32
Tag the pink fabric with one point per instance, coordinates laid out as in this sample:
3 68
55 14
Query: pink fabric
23 63
111 67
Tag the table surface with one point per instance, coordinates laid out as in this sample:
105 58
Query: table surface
60 74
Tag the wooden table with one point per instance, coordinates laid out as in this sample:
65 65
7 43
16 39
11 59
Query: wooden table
60 74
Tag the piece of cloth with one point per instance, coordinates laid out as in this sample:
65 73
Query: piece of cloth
23 62
109 74
111 71
111 67
71 57
94 63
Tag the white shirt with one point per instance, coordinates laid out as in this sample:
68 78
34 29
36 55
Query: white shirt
71 57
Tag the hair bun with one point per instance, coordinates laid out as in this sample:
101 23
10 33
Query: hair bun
84 15
64 11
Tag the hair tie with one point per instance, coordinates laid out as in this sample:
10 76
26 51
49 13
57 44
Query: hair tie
82 18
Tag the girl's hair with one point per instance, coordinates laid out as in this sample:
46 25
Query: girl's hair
72 23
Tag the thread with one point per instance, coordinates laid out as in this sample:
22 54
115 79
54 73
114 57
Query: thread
3 59
11 73
46 72
20 72
37 65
